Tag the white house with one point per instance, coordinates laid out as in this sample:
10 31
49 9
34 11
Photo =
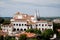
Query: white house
21 22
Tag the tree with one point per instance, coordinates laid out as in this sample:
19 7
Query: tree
55 27
36 31
12 38
30 30
32 39
6 22
1 37
0 28
23 37
1 20
47 34
9 38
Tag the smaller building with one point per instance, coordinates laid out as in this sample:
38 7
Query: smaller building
7 28
56 20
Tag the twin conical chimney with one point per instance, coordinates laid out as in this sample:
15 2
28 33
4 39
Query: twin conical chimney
37 15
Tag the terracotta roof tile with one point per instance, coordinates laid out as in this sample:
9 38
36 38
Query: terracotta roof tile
28 34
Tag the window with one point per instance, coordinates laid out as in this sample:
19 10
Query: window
14 29
42 28
24 29
25 24
21 29
18 29
36 25
16 24
22 24
31 26
28 27
19 24
42 24
39 24
50 25
45 24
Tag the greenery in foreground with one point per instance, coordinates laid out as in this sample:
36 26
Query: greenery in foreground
45 35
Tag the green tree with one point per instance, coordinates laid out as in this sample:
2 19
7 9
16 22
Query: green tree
32 39
55 27
9 38
1 37
23 37
1 20
36 31
30 30
47 34
6 22
0 28
12 38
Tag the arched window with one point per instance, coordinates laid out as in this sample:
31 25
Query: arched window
19 24
16 24
22 24
42 24
21 29
45 24
24 29
18 29
25 24
14 29
27 27
42 29
39 24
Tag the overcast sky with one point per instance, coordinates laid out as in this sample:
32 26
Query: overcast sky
47 8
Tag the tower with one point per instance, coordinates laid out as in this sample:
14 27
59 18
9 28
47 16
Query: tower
37 15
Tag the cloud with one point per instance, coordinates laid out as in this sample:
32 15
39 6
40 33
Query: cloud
46 7
40 2
1 2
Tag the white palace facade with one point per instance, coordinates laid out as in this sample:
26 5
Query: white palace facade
21 22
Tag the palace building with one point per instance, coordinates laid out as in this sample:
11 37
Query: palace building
21 22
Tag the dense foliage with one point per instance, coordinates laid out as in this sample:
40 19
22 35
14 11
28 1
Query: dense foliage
36 31
55 27
23 37
6 22
47 34
1 20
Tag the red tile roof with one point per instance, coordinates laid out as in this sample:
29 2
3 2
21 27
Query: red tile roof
28 34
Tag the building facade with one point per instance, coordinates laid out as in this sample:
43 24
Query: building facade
21 22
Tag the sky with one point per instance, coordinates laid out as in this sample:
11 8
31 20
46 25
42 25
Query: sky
47 8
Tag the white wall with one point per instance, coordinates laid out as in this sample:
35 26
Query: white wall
23 27
44 27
